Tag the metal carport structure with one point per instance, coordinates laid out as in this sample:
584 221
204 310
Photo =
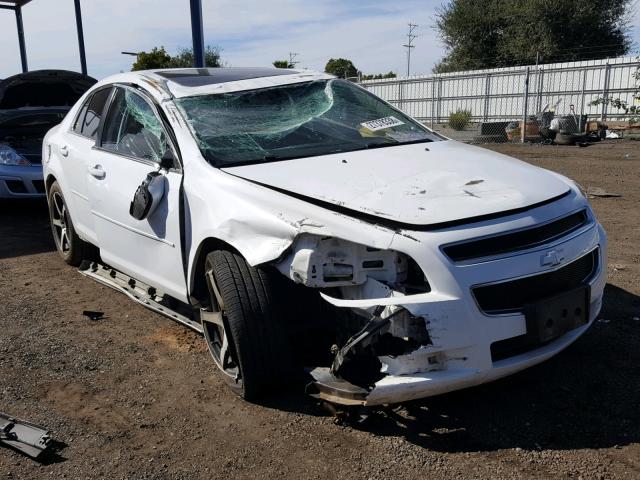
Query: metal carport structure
196 31
16 6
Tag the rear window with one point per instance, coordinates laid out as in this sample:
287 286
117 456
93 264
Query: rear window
88 119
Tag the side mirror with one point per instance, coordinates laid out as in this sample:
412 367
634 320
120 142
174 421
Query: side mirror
147 196
168 159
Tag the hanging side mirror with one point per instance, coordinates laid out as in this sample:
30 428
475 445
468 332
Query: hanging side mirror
148 196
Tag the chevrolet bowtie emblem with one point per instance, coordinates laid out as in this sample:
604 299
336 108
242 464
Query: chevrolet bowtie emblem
551 258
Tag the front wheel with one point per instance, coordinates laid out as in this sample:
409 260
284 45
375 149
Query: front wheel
244 327
70 247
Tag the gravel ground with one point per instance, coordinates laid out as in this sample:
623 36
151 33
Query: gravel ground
134 395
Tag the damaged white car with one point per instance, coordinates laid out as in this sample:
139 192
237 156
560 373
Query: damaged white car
304 225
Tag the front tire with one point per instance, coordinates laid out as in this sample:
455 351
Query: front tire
244 328
69 245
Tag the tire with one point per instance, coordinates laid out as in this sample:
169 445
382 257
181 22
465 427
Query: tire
563 138
68 244
244 308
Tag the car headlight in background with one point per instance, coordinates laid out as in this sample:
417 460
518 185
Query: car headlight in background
8 156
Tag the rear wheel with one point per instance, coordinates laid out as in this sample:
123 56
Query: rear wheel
69 245
244 327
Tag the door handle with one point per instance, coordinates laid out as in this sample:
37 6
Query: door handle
97 171
64 150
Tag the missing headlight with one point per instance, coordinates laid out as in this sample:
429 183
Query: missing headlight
323 262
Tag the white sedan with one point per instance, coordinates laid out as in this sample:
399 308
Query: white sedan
304 225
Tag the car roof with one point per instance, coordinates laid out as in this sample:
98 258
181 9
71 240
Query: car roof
166 83
197 77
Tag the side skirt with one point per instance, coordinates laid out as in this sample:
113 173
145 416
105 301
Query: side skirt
142 293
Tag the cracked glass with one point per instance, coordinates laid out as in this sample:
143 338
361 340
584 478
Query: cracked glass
133 129
294 121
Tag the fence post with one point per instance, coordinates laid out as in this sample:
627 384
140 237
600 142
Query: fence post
582 95
487 92
605 91
400 94
433 100
540 88
438 101
523 127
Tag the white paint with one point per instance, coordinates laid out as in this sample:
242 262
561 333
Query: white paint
407 184
420 184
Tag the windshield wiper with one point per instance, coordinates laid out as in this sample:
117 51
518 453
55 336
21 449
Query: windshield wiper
380 144
393 143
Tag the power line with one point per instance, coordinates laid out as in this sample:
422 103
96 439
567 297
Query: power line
409 45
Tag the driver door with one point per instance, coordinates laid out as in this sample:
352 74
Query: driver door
133 140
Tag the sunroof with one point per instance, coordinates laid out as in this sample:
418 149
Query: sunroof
196 77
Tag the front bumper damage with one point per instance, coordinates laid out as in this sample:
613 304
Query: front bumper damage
455 351
433 369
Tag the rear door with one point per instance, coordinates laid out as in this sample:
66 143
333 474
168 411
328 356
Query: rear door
75 153
131 144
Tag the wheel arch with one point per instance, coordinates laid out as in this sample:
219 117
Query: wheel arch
197 285
48 182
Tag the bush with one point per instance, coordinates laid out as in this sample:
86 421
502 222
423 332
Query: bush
459 119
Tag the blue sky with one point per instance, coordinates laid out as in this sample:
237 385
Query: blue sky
251 32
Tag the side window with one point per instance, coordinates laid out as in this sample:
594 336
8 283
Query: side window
77 127
88 119
133 129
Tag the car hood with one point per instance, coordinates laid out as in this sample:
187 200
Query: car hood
419 184
43 88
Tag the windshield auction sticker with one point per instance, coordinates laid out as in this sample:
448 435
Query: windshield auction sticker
382 123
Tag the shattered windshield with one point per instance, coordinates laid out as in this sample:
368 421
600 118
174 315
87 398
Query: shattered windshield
293 121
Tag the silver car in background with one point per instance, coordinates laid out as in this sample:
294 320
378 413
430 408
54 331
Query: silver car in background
30 104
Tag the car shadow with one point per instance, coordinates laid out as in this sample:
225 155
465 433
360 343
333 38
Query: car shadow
24 228
585 397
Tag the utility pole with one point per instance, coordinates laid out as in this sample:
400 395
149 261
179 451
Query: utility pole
292 59
409 45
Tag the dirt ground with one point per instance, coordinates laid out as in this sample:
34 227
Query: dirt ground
134 395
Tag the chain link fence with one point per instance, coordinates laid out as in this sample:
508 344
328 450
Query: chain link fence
532 103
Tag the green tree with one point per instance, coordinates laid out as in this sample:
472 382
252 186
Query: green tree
156 58
379 76
184 58
283 64
159 58
341 67
501 33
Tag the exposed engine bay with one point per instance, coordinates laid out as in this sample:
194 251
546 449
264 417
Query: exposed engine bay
368 343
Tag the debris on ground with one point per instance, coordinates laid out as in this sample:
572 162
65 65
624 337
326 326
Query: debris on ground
26 437
600 192
93 315
614 134
617 266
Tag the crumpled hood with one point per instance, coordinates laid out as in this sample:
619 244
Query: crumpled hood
419 184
